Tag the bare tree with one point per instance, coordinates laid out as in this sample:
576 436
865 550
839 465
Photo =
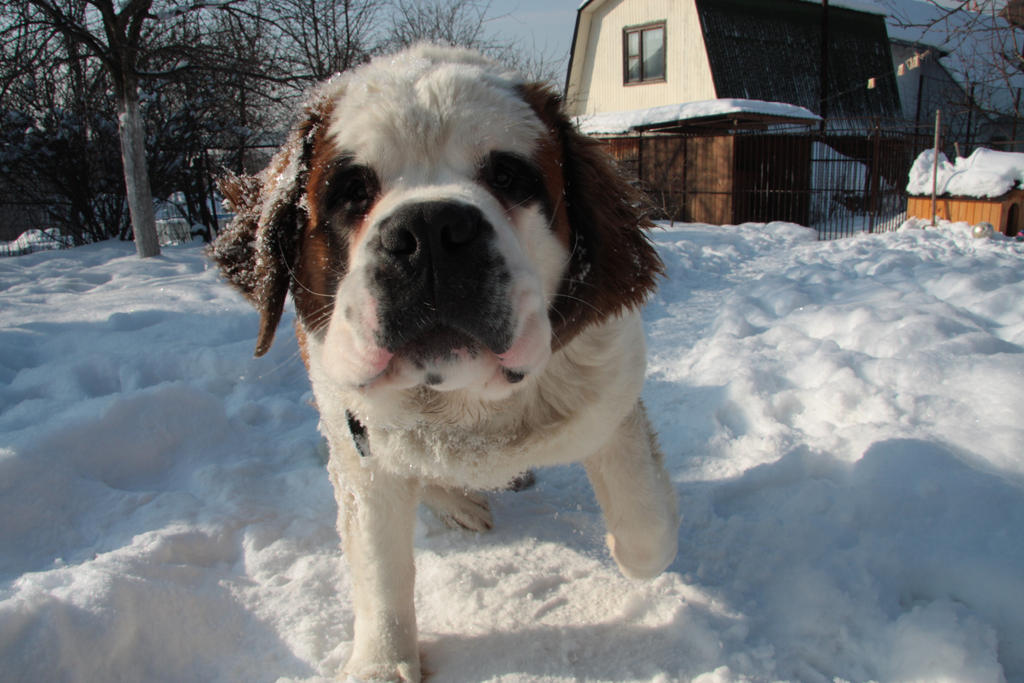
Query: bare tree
983 42
58 141
325 37
114 36
464 23
122 36
450 22
186 87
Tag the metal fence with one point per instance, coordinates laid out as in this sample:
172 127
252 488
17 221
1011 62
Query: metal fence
168 231
32 241
842 178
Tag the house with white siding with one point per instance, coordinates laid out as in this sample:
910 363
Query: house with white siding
639 54
728 111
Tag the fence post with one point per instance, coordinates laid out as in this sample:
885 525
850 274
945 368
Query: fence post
640 157
1016 115
873 199
969 143
935 163
684 203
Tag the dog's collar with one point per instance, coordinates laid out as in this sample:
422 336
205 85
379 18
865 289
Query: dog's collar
359 436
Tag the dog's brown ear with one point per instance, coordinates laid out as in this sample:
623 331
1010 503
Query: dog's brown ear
613 266
234 250
258 249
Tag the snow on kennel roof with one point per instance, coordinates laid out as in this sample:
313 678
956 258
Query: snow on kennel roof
692 112
985 173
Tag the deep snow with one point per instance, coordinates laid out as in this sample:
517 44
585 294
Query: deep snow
985 173
842 421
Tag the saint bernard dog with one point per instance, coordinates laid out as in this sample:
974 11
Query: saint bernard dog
466 270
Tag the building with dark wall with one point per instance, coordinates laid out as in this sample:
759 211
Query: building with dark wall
788 50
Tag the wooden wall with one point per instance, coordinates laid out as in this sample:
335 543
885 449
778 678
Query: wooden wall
687 178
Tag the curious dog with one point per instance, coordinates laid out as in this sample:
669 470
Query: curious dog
466 270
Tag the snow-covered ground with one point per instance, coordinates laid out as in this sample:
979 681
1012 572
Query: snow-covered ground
843 422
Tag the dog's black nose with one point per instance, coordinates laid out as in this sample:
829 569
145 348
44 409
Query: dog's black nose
439 280
430 232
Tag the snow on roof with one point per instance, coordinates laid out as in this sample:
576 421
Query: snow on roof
624 121
986 173
858 5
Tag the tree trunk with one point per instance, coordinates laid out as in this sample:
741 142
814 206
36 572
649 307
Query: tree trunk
136 174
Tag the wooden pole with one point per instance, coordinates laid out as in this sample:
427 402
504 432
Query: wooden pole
876 152
824 75
1016 116
935 164
970 120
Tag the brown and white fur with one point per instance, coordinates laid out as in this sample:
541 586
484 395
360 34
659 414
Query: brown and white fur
466 270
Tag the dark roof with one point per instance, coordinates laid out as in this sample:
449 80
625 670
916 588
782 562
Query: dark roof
771 50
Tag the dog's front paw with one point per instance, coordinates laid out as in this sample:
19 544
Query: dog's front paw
458 508
643 558
381 672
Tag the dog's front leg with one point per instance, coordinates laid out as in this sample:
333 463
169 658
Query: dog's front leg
376 517
637 498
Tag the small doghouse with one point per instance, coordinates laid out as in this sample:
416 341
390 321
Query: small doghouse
986 187
1004 213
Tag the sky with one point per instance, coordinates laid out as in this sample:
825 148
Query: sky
540 26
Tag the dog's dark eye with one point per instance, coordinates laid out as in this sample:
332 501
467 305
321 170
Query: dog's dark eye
356 190
514 179
501 179
352 189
